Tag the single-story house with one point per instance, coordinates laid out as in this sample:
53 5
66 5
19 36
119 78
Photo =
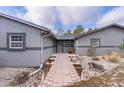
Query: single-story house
24 44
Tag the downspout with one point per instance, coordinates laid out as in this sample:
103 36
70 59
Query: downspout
42 45
77 46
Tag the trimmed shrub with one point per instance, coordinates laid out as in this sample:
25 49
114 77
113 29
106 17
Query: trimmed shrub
91 51
112 57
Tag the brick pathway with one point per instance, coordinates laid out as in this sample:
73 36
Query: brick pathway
62 73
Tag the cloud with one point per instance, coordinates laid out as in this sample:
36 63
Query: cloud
40 15
50 16
116 15
77 15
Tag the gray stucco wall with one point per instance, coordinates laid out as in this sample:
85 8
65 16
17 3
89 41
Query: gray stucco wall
30 57
49 47
110 38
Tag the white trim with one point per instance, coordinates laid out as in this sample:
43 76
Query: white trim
76 46
41 55
96 43
68 43
10 42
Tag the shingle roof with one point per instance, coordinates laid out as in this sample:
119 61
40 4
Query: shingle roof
65 37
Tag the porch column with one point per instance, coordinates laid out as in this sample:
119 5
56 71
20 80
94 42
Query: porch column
76 46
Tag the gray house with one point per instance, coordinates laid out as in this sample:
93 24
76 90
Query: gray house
104 39
24 44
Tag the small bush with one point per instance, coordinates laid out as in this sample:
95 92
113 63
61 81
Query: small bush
91 51
112 57
71 50
95 58
20 78
121 47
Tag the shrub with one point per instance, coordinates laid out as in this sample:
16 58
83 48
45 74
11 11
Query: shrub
91 51
121 47
71 50
20 78
112 57
95 58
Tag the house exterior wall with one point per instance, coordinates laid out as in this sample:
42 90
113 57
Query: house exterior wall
31 56
49 47
67 48
62 48
110 38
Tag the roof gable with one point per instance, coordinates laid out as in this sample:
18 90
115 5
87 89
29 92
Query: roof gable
99 29
24 22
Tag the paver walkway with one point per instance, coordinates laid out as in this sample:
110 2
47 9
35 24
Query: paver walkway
62 72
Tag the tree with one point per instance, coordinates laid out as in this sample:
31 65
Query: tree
90 29
78 30
68 32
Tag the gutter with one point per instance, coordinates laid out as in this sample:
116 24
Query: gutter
42 45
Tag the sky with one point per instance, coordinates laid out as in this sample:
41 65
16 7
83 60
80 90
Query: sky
67 17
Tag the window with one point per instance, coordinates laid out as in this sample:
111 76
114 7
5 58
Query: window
95 42
68 43
16 40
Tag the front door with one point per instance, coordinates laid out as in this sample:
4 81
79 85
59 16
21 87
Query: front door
59 46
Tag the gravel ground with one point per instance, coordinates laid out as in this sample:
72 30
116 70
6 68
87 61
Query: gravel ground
113 78
108 66
8 74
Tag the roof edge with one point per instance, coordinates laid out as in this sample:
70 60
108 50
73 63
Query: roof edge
99 29
24 22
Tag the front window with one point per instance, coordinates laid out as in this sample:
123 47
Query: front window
68 43
16 41
95 42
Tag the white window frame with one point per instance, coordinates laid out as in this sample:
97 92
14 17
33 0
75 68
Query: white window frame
68 43
97 44
10 42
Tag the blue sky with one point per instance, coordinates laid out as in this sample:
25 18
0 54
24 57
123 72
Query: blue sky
67 18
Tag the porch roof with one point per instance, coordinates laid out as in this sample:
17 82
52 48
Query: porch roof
65 37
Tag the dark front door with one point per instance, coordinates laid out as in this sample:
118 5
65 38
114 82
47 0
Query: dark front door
59 46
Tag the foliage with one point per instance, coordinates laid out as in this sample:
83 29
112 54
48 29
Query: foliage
112 57
79 30
121 46
68 32
91 51
90 29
